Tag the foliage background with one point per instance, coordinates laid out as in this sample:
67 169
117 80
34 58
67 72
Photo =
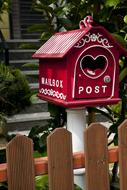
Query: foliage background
63 15
4 6
15 92
60 15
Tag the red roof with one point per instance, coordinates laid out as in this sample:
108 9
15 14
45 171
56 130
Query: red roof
60 43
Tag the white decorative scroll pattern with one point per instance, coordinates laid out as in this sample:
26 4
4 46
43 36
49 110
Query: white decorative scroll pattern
53 93
93 38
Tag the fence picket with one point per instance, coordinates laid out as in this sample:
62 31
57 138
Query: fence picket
97 173
122 131
60 167
20 168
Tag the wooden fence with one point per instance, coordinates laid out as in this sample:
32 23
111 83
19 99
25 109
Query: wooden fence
21 168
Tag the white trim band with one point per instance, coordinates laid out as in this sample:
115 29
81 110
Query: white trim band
53 93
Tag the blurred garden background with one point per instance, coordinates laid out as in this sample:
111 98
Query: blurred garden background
24 27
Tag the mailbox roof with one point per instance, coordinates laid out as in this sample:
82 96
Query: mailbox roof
60 43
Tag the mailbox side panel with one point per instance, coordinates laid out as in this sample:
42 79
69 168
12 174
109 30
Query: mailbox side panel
52 80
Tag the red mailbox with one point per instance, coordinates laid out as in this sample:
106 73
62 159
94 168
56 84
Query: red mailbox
80 67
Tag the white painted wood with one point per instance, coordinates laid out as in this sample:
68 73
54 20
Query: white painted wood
76 123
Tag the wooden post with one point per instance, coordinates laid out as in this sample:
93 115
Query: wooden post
20 165
123 154
97 173
60 167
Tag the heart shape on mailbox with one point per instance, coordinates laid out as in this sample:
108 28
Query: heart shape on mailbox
93 67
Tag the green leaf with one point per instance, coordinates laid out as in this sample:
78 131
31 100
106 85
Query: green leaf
123 74
34 98
124 29
30 65
125 19
28 46
76 2
41 181
116 108
46 35
65 23
43 8
112 3
119 39
38 27
37 154
59 11
115 139
47 2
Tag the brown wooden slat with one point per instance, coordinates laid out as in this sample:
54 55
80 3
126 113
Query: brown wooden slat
41 164
123 155
60 160
20 164
97 173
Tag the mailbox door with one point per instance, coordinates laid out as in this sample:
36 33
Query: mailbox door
94 73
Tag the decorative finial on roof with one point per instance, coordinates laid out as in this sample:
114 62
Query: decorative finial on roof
86 22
